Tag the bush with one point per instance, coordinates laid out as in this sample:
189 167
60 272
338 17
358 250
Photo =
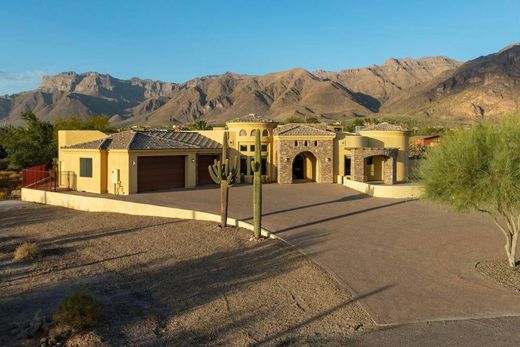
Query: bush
27 251
78 311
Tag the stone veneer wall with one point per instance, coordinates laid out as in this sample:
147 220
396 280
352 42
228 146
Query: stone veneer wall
287 151
357 169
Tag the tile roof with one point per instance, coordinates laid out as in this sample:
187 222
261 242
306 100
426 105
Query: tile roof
296 129
251 118
144 140
384 127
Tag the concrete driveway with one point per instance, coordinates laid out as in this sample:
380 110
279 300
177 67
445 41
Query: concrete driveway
410 260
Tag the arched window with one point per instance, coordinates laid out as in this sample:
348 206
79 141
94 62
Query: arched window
265 133
305 143
253 132
242 133
295 143
315 143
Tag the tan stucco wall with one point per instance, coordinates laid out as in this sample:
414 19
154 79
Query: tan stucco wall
69 161
374 139
118 160
249 139
97 204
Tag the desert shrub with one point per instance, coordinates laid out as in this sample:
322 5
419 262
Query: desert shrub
78 311
27 251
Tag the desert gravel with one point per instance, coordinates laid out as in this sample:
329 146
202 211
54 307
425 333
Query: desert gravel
170 282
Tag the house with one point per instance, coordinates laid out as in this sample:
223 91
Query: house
428 140
137 161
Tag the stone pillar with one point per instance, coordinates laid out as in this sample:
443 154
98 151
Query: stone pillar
389 170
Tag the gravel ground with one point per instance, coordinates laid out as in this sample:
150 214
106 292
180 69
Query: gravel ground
170 282
501 272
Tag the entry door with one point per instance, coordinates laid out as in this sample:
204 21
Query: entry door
348 163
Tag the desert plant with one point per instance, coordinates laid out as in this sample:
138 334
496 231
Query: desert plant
27 251
479 169
256 166
78 311
223 173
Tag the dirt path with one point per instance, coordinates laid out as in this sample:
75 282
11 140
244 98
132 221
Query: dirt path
167 281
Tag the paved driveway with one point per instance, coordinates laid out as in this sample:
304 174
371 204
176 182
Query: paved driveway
411 261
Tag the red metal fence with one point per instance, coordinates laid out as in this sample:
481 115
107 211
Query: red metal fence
32 175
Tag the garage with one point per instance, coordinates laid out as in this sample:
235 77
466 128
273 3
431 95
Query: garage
203 161
160 173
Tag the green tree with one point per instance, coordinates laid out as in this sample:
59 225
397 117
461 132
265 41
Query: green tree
479 169
199 125
30 145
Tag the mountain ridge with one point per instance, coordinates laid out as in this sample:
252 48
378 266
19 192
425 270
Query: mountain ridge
423 87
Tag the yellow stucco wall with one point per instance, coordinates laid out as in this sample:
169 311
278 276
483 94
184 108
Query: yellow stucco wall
375 139
69 162
393 139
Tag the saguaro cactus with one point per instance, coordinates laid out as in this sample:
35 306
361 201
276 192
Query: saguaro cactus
224 174
256 166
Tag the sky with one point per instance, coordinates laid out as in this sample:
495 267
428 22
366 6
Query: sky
175 41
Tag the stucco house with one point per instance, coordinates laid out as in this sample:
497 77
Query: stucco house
138 161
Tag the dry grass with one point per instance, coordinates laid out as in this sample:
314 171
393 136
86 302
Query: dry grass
27 251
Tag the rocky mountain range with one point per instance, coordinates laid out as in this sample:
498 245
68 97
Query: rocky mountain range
432 87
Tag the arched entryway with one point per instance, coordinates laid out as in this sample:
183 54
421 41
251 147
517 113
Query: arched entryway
375 168
304 167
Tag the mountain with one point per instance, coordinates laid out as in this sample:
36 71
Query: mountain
486 86
434 87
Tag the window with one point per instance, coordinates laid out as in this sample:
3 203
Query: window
305 143
243 148
369 161
243 165
252 148
295 143
264 166
264 148
265 133
85 167
253 132
242 133
315 143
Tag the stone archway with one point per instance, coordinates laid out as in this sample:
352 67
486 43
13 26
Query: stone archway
358 164
305 167
317 153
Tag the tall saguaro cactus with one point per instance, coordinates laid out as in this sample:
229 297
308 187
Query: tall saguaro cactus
256 166
224 174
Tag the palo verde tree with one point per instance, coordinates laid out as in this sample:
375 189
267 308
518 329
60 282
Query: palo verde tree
256 166
223 173
479 169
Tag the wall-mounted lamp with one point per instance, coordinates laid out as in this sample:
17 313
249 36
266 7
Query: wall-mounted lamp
193 160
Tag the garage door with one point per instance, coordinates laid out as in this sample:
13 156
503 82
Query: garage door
160 173
203 161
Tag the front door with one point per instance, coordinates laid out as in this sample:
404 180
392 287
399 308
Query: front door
299 167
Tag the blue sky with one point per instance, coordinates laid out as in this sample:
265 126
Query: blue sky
178 40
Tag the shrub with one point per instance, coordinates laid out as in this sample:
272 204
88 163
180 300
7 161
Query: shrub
78 311
26 251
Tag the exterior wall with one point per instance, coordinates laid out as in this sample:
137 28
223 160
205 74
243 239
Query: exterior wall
287 151
69 161
392 139
118 160
249 139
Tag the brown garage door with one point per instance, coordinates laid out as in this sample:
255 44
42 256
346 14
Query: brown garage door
203 161
159 173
